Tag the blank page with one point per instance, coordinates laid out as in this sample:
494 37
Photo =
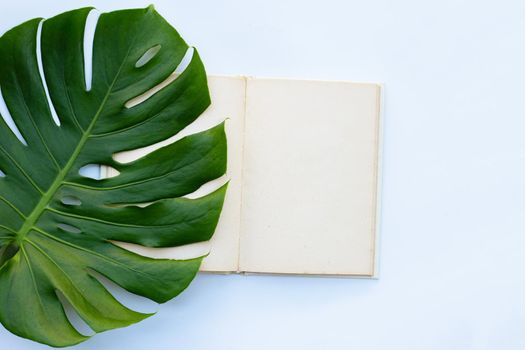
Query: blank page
310 177
227 96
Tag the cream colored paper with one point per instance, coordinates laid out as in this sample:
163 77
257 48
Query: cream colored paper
303 162
310 177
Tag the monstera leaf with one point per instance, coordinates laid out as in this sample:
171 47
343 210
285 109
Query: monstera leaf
58 228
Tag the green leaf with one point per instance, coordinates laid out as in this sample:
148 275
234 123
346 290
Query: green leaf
56 226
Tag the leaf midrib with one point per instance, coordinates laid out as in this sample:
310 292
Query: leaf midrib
50 193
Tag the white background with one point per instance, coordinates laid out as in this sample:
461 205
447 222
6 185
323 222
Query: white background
453 231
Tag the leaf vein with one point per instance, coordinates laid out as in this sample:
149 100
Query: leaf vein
131 127
111 223
8 229
103 257
37 129
75 119
35 285
6 201
29 178
143 181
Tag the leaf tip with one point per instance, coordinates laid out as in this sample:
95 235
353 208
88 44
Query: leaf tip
149 314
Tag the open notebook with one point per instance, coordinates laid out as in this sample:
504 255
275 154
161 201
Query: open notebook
303 165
